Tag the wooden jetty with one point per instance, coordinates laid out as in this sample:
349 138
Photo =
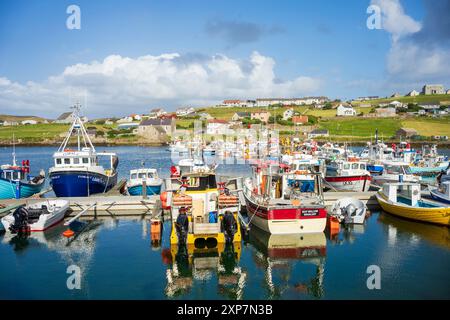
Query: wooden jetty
106 205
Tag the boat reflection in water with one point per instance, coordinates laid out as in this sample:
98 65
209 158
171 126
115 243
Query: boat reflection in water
415 231
279 254
188 265
77 250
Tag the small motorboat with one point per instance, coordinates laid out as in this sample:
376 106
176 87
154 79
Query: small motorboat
404 200
442 194
349 210
140 176
35 217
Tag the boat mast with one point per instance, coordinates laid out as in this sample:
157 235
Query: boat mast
81 131
14 151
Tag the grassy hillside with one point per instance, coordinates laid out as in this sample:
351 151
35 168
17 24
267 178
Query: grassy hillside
436 98
361 127
6 117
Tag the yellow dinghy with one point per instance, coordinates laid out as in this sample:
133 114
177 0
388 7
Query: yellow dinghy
404 200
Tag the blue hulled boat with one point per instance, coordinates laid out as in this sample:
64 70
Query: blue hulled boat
153 183
16 181
77 172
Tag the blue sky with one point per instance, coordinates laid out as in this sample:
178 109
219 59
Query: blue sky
325 43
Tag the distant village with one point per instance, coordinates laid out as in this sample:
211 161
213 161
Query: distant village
158 125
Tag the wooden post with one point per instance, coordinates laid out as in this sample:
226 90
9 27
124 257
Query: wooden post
144 189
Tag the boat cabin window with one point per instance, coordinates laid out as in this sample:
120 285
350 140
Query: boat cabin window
58 161
85 160
8 175
194 181
16 175
133 176
142 175
66 161
362 166
76 160
393 169
346 166
355 166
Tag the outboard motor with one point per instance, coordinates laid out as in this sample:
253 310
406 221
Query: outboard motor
20 220
229 226
182 226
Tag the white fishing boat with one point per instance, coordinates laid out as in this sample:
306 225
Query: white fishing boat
279 208
36 217
349 210
395 171
348 176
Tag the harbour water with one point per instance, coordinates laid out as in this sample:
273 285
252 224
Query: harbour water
118 261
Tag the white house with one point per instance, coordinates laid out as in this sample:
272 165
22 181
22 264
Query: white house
413 93
217 127
345 111
184 111
29 121
10 123
397 104
125 120
318 133
156 113
287 114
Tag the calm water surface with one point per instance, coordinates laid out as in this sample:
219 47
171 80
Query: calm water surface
118 261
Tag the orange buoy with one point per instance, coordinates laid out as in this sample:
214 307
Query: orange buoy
333 224
163 198
68 233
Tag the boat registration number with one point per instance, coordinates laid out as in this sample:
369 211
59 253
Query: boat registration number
310 213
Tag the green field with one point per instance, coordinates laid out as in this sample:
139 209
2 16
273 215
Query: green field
361 127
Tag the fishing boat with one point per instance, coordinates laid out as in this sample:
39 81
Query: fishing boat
77 172
349 210
395 171
345 175
16 181
442 193
279 208
429 161
301 172
36 217
203 215
404 200
147 176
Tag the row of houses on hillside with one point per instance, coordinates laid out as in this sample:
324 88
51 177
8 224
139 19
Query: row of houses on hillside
266 102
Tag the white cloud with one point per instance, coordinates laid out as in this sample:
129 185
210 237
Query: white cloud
394 19
119 84
414 56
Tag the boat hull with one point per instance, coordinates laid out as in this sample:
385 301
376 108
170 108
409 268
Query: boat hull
349 183
439 197
436 169
288 220
80 183
437 215
8 189
137 190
